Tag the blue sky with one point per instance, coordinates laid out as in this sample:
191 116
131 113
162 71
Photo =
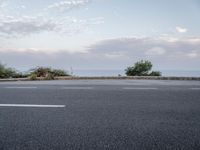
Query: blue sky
100 34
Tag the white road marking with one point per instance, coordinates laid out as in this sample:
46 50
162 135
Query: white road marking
194 88
21 87
78 88
32 105
138 88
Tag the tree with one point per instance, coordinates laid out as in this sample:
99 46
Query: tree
142 68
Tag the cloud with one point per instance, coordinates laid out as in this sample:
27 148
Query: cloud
3 4
117 53
181 29
131 48
72 25
153 48
59 59
68 5
41 50
155 51
193 54
13 26
22 26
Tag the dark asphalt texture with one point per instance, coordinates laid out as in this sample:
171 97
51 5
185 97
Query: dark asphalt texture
107 117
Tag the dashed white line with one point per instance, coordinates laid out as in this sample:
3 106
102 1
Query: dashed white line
77 88
139 88
20 87
31 105
194 88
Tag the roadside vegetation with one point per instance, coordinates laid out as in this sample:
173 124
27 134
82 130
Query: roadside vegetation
142 68
46 73
7 72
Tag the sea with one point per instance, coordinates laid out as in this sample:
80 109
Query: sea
118 72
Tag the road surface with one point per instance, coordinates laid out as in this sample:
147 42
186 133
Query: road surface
100 114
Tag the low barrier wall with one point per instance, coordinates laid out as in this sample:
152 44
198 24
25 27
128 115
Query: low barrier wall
109 78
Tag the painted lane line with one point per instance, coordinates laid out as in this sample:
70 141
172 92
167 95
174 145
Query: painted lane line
78 88
135 88
194 88
32 105
20 87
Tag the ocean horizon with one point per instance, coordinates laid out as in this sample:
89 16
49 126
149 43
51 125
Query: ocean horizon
121 72
118 72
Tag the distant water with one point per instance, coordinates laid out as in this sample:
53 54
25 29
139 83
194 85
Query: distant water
101 72
98 72
181 73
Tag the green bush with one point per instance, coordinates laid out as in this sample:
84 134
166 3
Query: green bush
141 68
155 73
7 72
48 73
45 72
49 76
41 71
33 77
20 75
59 73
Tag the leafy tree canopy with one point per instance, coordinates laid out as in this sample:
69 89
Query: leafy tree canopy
142 68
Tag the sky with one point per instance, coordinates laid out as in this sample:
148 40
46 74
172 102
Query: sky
100 34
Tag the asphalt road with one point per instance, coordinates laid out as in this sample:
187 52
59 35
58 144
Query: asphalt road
100 114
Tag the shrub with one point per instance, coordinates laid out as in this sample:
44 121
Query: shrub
155 73
48 73
49 76
59 72
33 77
141 68
45 72
7 72
41 71
20 75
